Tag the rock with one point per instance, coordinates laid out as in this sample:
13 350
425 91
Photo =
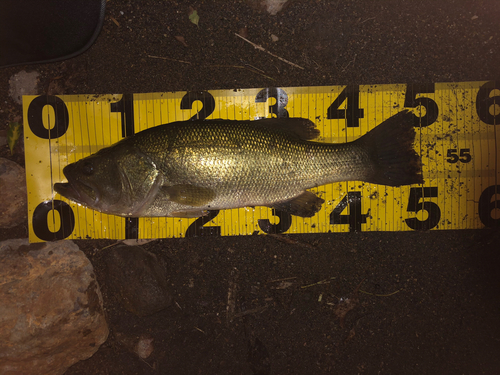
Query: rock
51 313
142 346
273 6
137 279
13 195
23 83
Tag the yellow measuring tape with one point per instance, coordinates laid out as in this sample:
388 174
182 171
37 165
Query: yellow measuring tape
457 139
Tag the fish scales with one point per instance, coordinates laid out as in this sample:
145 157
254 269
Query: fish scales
183 169
245 164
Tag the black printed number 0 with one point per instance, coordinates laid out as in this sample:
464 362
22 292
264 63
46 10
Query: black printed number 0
35 117
41 217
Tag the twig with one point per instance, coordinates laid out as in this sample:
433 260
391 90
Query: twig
349 63
368 19
255 70
168 58
142 359
199 329
326 281
249 67
231 295
107 247
256 46
251 311
289 241
285 279
380 295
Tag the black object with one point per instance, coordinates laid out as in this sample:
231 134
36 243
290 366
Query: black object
42 31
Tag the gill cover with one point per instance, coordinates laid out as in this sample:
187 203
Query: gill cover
117 180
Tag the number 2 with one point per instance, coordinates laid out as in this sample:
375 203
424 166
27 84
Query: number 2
205 97
197 227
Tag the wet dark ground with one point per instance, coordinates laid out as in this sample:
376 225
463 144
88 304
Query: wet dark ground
427 302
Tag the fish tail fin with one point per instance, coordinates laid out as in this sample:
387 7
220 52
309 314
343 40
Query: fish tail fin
390 148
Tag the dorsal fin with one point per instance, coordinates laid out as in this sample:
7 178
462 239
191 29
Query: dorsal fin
302 128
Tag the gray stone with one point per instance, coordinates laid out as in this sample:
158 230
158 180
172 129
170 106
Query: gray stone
273 6
142 345
13 197
137 279
51 313
23 83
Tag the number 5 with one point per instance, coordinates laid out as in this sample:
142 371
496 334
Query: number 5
431 108
415 205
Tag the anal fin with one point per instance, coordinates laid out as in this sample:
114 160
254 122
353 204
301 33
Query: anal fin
303 205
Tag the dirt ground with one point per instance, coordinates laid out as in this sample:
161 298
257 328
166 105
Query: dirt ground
421 302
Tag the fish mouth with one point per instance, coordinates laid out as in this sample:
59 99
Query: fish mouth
79 192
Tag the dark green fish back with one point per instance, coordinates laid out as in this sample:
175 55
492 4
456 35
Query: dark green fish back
247 161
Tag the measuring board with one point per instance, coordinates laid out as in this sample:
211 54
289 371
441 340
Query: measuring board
457 137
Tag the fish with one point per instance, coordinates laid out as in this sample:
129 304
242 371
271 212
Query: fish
188 168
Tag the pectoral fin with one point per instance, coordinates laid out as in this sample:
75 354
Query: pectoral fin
304 205
189 195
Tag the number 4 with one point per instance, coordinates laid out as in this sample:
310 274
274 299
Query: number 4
352 113
355 217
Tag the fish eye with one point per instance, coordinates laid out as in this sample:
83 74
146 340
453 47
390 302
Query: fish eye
88 168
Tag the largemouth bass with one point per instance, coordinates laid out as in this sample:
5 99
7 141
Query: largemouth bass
184 169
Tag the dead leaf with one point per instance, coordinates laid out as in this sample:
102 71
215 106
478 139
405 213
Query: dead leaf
284 285
243 32
182 40
351 334
193 16
347 304
115 21
343 307
13 135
